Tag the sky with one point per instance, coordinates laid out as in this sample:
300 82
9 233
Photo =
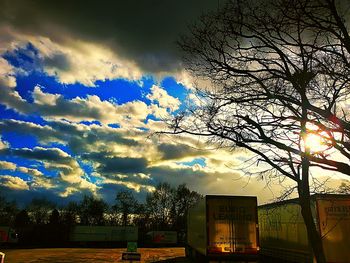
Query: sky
83 87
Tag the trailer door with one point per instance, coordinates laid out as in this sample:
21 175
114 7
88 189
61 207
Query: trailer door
334 225
232 225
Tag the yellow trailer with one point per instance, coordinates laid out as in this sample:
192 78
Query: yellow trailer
283 232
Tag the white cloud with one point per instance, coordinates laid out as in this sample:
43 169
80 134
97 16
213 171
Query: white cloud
7 74
91 108
184 78
163 98
143 176
68 191
159 112
9 96
3 144
116 142
131 185
30 171
156 126
44 182
70 174
86 62
42 98
38 178
13 182
43 132
194 99
8 165
71 61
77 61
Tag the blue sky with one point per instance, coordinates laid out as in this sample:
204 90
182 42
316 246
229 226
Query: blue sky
82 94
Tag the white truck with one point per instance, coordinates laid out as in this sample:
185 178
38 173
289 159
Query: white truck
223 228
283 233
8 235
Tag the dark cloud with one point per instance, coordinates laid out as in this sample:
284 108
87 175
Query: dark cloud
109 191
58 61
122 165
142 31
12 99
206 182
44 133
194 179
79 140
178 151
67 133
42 154
28 59
69 109
24 197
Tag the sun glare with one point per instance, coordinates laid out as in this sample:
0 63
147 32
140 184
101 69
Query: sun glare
314 142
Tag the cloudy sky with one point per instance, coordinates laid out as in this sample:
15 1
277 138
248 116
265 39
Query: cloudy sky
83 85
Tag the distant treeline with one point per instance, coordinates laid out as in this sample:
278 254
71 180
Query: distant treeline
42 222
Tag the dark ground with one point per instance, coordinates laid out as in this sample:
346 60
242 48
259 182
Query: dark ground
96 255
89 255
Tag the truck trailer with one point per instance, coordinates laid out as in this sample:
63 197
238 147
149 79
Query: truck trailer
95 234
162 237
283 234
8 235
223 228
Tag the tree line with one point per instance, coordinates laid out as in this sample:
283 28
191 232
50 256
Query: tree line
43 222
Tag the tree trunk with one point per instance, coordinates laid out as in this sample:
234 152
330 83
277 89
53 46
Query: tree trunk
305 204
304 189
125 219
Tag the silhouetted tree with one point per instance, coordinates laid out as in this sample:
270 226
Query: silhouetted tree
159 204
22 219
23 226
142 217
70 213
275 72
91 211
39 209
344 188
54 217
184 199
126 204
8 211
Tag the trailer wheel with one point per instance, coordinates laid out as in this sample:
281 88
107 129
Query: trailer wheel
197 257
188 251
200 258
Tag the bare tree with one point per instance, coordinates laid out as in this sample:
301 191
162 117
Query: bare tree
8 211
55 217
22 219
184 199
126 204
91 211
159 205
344 187
70 213
278 72
39 209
